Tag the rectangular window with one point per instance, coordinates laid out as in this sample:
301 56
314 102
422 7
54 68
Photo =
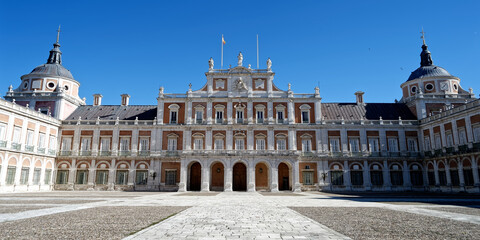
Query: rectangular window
41 140
48 176
336 178
52 144
239 116
66 144
29 141
427 143
198 143
102 177
462 136
438 141
280 117
3 129
239 144
306 145
124 144
259 116
36 176
144 144
307 178
11 170
396 177
334 145
416 178
122 177
218 145
219 117
260 144
173 117
412 144
85 144
24 176
170 177
354 144
449 137
392 144
17 131
172 144
357 178
305 117
105 144
199 117
476 133
377 178
281 144
82 177
62 176
141 177
373 145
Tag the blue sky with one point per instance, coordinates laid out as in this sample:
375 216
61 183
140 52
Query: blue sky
134 47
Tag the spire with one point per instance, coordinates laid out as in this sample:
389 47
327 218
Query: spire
425 56
55 53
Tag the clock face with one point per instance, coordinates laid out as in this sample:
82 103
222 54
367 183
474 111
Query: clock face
444 86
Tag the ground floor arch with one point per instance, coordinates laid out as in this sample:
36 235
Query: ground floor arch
239 177
195 177
217 177
261 177
284 182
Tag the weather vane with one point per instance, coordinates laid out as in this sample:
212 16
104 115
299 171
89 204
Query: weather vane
58 33
423 36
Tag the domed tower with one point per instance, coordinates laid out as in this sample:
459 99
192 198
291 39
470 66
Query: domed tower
431 89
50 88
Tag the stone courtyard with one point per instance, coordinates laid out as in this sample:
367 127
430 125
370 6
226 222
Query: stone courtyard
238 215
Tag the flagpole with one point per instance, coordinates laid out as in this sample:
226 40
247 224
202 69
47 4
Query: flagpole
221 63
257 53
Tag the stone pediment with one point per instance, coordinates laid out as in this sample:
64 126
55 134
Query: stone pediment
240 69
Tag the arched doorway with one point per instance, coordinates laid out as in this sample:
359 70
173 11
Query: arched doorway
261 177
239 177
217 177
195 177
283 177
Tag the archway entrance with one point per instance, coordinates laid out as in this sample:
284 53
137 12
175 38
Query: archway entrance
195 177
217 177
283 177
239 177
261 177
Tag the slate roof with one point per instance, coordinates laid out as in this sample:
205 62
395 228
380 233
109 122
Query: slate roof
111 112
371 111
429 71
54 69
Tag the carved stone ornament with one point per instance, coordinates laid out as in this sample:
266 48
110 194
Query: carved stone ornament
240 85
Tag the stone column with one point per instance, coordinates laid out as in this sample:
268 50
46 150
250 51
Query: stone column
292 140
363 140
296 177
95 141
189 111
476 178
442 135
270 139
383 142
134 142
366 176
208 139
205 178
188 139
402 141
112 175
131 174
344 140
274 178
72 173
386 176
468 127
228 178
346 176
437 175
229 139
209 111
250 111
251 177
447 172
229 111
291 112
318 112
269 111
407 182
250 139
460 173
455 133
91 176
182 186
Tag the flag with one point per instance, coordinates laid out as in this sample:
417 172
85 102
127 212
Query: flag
223 40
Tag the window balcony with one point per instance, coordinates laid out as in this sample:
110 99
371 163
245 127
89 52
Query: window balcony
3 144
280 121
16 146
374 154
438 152
413 154
29 148
450 150
428 154
65 153
394 154
86 153
239 120
356 154
51 152
476 147
172 153
124 153
144 153
199 121
336 154
463 148
105 153
308 154
41 150
260 120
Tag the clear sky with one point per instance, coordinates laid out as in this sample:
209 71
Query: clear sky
134 47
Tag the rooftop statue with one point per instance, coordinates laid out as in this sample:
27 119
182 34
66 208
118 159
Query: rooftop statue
210 64
240 59
269 64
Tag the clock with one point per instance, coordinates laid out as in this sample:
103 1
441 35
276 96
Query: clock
444 86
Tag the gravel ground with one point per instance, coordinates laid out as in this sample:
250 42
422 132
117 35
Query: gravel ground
53 201
286 194
463 210
199 194
16 209
378 223
93 223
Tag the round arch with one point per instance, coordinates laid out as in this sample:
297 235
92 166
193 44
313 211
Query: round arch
217 178
239 181
194 181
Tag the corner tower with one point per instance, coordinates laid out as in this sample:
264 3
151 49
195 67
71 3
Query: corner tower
50 88
431 89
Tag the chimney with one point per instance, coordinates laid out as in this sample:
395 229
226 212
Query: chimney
125 99
359 95
97 99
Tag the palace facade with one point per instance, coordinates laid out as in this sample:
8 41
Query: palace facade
239 132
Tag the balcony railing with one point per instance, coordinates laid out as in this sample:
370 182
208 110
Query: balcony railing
172 153
438 152
308 154
375 154
29 148
3 144
41 150
51 152
463 148
105 153
144 153
65 153
16 146
394 154
86 153
124 153
450 150
476 147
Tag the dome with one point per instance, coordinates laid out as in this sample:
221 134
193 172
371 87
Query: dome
52 70
429 71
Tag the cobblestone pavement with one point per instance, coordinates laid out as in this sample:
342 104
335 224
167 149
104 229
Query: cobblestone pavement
241 215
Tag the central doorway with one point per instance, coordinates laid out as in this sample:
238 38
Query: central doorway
283 177
239 177
195 177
